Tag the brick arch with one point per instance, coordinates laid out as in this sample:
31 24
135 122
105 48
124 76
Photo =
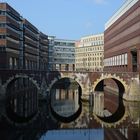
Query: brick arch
71 76
57 79
119 81
77 80
20 76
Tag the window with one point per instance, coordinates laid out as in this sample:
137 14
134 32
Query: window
2 12
123 57
2 25
26 64
115 60
2 36
10 63
112 61
57 96
2 49
15 63
126 59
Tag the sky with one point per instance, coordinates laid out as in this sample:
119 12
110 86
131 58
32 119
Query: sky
67 19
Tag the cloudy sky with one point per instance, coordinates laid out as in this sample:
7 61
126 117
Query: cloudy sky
67 19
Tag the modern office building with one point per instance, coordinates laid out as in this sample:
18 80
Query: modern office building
10 37
89 53
64 54
122 39
22 45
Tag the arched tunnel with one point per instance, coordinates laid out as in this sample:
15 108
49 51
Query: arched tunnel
116 102
121 90
65 99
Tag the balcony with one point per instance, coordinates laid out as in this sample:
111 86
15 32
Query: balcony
31 42
13 45
31 50
30 34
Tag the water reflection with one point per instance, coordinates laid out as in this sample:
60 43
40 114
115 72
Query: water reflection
99 108
65 99
65 102
133 111
108 117
105 110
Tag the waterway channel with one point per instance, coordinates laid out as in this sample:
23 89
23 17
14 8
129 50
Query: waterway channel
67 116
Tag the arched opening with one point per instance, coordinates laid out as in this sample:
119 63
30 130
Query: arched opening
21 100
113 83
108 104
65 99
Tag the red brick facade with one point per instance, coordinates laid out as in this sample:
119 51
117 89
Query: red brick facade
123 37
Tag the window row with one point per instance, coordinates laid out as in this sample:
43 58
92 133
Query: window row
89 54
81 49
98 64
89 59
116 60
63 55
64 49
29 64
93 39
64 44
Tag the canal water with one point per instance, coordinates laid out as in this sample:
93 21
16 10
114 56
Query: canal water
66 116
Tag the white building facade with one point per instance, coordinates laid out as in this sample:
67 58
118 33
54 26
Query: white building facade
89 53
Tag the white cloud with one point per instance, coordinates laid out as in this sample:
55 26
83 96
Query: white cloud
99 1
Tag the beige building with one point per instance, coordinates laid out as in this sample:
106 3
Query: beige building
89 53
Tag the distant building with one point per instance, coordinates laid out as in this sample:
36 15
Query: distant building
51 65
122 39
64 54
89 53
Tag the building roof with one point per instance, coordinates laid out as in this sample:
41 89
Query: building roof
123 9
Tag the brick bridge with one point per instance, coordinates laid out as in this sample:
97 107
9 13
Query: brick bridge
39 83
128 83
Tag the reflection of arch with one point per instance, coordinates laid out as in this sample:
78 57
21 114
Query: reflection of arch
62 85
21 98
120 113
115 119
122 86
67 119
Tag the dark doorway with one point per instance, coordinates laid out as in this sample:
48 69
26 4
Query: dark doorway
134 60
